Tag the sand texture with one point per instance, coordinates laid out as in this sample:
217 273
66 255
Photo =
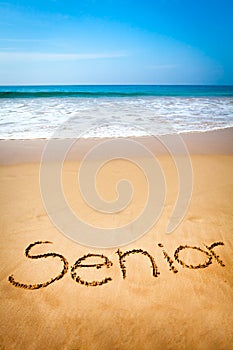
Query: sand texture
161 292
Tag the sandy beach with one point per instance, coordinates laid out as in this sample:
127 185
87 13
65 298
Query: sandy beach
167 292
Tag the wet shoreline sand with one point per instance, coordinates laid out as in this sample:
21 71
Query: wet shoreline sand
30 150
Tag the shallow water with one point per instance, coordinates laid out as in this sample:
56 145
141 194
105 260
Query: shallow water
138 112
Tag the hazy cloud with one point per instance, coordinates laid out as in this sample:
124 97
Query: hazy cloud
46 56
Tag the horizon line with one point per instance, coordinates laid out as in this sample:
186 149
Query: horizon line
114 84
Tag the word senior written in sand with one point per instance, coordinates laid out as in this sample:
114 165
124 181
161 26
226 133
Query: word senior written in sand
209 255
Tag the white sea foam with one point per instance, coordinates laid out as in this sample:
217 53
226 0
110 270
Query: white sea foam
111 117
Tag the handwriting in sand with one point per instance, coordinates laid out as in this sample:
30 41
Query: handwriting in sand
209 254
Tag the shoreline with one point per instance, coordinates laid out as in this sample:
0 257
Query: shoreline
218 141
123 136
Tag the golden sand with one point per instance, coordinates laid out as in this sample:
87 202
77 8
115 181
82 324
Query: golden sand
160 292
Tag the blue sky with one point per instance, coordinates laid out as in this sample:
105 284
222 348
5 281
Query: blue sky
116 42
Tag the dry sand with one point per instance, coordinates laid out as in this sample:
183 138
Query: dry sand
181 307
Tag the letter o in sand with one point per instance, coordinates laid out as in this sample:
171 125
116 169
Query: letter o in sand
200 266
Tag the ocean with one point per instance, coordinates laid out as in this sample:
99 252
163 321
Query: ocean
34 112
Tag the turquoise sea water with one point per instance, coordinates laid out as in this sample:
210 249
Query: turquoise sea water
28 112
96 91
